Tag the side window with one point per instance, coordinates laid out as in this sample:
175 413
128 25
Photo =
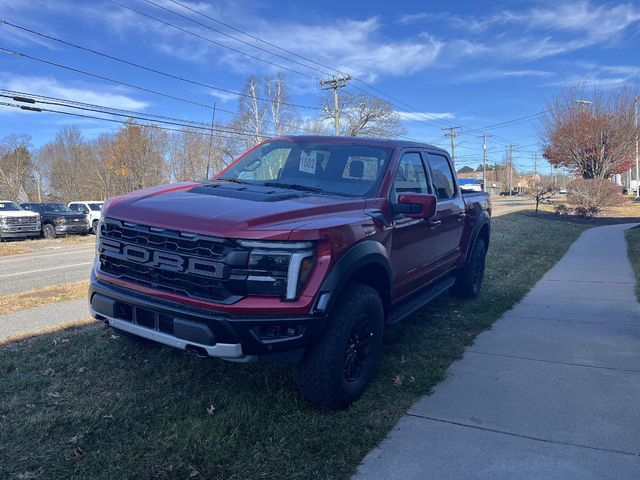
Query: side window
410 177
442 177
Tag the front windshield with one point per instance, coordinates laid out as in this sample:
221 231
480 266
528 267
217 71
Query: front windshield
331 167
55 207
96 207
9 207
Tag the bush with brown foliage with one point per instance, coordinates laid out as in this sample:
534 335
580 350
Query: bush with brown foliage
590 196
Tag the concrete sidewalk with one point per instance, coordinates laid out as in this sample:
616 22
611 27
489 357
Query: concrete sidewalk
551 392
45 316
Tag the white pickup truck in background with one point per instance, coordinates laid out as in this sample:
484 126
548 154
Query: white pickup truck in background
91 208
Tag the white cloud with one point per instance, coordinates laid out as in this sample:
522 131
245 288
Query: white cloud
542 32
493 74
80 92
420 116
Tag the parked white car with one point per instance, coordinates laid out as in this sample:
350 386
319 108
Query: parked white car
15 222
91 208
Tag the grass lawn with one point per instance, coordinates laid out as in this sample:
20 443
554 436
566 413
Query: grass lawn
633 250
89 403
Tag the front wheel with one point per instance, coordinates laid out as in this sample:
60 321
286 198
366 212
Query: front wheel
469 278
48 231
94 227
337 370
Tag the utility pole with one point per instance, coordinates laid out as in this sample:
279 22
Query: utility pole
334 84
452 135
510 168
535 171
213 120
484 160
636 100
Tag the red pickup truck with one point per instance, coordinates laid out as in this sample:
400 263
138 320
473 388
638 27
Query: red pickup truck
302 251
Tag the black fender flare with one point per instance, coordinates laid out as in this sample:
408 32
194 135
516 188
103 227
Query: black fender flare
359 255
483 219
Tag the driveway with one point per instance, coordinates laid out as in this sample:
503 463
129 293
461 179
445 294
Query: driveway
551 392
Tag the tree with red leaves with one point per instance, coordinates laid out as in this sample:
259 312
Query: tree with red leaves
595 139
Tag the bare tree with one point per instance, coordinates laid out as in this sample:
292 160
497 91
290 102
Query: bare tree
16 167
283 117
65 161
541 192
594 138
252 115
362 115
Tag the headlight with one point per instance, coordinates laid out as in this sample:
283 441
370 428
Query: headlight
278 268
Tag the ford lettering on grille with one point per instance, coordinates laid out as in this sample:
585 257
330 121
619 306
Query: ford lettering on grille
163 260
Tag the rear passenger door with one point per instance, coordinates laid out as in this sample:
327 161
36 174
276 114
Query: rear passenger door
451 213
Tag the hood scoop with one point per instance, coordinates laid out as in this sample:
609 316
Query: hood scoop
246 191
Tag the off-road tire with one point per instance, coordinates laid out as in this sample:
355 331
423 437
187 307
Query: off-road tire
94 227
322 376
48 231
469 278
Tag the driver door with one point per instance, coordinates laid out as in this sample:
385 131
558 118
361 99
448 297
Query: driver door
414 248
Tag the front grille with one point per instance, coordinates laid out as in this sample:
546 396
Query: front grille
21 221
182 263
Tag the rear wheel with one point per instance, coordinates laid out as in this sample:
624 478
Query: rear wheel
469 278
338 369
48 231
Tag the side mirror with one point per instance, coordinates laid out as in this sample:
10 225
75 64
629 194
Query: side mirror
418 205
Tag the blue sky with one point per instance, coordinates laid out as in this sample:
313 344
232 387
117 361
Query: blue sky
464 63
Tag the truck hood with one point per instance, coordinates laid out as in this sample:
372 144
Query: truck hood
227 210
20 213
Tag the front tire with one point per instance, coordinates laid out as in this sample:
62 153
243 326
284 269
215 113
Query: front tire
48 231
94 227
469 278
337 370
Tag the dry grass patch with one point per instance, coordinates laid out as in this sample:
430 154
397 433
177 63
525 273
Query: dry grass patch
43 296
7 249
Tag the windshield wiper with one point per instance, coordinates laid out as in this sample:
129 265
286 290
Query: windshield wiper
233 180
294 186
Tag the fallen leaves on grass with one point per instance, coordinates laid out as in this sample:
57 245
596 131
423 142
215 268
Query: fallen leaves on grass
211 410
78 453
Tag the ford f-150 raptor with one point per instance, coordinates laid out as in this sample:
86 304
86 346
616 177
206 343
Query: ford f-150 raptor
303 250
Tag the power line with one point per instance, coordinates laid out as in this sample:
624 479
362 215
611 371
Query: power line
207 39
229 35
503 124
133 64
93 117
420 114
131 114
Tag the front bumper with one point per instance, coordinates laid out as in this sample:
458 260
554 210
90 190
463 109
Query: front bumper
64 228
244 339
19 232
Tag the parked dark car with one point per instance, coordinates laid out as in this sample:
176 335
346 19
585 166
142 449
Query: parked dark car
301 251
58 219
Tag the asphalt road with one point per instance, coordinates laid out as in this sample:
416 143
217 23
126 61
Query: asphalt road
19 273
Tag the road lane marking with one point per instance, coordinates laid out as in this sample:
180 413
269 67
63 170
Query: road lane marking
19 256
45 269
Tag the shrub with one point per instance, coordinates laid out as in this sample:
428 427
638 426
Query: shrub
592 195
562 209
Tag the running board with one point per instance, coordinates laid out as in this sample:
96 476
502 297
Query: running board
420 300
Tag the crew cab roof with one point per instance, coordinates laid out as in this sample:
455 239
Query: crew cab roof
381 142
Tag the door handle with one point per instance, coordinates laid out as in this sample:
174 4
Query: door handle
435 222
